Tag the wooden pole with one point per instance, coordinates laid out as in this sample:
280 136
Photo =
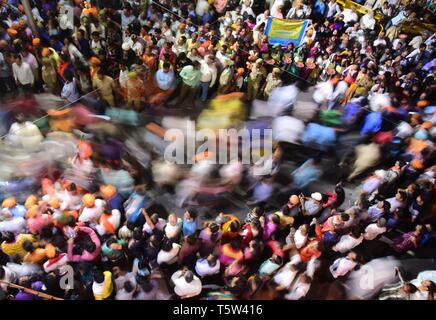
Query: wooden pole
31 291
30 21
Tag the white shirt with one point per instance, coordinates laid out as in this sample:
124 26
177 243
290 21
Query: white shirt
283 97
350 16
323 92
203 269
182 288
159 225
164 80
379 41
340 267
332 9
208 72
9 276
372 231
15 225
92 214
367 22
172 231
285 276
347 243
70 92
299 239
202 7
23 73
298 291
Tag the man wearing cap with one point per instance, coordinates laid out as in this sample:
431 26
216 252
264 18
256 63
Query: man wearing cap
23 75
257 75
311 206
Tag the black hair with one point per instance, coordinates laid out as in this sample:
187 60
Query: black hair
167 245
166 65
193 213
147 286
28 246
71 221
8 237
345 216
90 246
386 205
356 231
128 286
275 218
142 263
137 234
234 226
278 260
235 243
191 239
98 276
131 225
189 276
68 75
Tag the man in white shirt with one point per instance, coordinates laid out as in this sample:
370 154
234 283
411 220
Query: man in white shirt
324 90
367 22
165 77
350 15
341 266
23 75
332 8
202 7
207 267
186 284
208 77
349 241
286 275
373 230
263 17
300 288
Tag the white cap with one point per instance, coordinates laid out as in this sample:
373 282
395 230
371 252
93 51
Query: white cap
316 196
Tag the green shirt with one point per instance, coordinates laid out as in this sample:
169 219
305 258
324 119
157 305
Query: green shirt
190 76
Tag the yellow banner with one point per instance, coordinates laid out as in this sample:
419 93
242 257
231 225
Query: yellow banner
290 29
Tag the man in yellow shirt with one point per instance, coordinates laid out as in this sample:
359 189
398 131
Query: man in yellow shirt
102 286
105 86
13 246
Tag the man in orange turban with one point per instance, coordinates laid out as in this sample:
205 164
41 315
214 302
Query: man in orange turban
31 201
36 42
9 203
88 200
12 32
108 191
45 52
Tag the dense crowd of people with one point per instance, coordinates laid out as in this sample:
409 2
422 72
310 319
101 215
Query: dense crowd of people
90 209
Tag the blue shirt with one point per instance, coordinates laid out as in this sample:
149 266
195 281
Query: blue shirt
319 8
372 124
189 227
117 203
18 211
319 137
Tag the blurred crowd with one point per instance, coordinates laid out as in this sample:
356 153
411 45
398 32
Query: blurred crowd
91 209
